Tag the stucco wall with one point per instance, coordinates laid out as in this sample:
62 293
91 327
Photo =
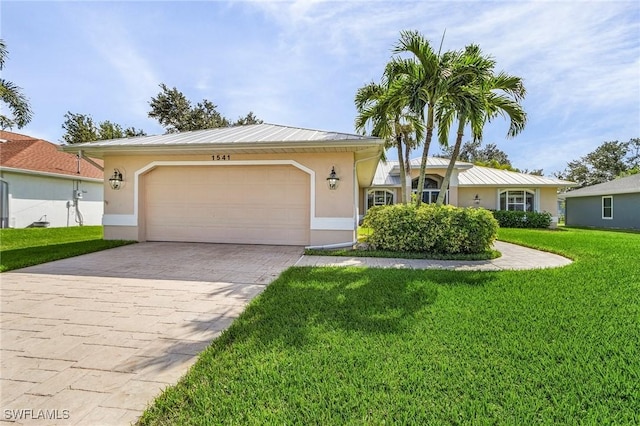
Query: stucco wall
332 207
587 211
31 197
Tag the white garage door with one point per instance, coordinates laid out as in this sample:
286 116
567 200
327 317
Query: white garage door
227 204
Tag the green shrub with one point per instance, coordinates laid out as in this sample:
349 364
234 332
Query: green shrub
430 228
518 219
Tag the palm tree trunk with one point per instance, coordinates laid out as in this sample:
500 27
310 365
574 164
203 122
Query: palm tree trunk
403 176
452 161
407 170
425 154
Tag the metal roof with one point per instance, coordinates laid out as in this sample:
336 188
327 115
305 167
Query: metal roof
249 134
626 185
486 176
468 175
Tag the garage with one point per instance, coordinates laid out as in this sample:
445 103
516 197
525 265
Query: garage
255 204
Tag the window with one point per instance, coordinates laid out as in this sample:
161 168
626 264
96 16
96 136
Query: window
430 192
607 207
519 200
379 197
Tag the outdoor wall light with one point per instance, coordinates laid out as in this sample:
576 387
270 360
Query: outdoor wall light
333 179
116 180
476 200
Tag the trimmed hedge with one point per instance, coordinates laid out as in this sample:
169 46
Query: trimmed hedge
430 228
518 219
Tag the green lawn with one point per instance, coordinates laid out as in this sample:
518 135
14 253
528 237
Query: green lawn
32 246
373 346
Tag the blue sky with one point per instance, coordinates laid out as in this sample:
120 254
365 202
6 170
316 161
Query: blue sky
300 63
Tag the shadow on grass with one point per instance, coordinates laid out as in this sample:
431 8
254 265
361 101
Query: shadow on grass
305 303
21 258
306 300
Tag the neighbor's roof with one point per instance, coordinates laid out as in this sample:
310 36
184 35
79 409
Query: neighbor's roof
625 185
22 153
468 175
248 138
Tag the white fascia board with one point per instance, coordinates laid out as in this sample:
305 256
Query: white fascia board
48 174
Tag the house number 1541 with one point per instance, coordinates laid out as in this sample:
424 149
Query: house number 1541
220 157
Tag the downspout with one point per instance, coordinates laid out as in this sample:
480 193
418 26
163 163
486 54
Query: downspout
90 161
355 213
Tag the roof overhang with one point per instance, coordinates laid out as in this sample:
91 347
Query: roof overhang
601 193
515 185
49 174
100 151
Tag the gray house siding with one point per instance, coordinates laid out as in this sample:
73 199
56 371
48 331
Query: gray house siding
587 211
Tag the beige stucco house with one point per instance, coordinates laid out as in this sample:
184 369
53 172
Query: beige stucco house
255 184
470 186
269 184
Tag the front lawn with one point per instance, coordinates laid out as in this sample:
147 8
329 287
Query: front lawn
26 247
373 346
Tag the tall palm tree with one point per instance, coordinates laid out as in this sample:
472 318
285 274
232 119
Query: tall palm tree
483 97
424 81
392 121
11 95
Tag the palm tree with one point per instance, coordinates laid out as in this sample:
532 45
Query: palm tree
482 98
11 95
389 120
423 82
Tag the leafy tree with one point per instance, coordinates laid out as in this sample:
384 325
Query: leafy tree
12 96
633 153
535 172
250 118
488 156
176 114
610 160
80 128
482 97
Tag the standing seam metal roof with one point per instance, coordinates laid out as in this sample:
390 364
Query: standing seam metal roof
253 133
473 176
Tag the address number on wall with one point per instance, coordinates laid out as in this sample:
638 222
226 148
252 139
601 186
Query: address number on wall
221 157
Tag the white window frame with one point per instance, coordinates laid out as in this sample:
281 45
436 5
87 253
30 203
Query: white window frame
610 197
534 205
430 191
387 192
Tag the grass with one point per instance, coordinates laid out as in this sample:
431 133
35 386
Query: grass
373 346
20 248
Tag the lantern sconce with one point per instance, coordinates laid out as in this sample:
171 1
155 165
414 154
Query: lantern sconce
476 200
116 180
333 179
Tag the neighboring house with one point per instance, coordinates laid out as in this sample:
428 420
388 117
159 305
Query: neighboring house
42 186
254 184
614 204
470 186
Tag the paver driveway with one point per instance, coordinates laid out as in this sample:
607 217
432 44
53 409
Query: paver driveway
92 339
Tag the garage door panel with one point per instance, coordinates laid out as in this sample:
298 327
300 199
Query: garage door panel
252 205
